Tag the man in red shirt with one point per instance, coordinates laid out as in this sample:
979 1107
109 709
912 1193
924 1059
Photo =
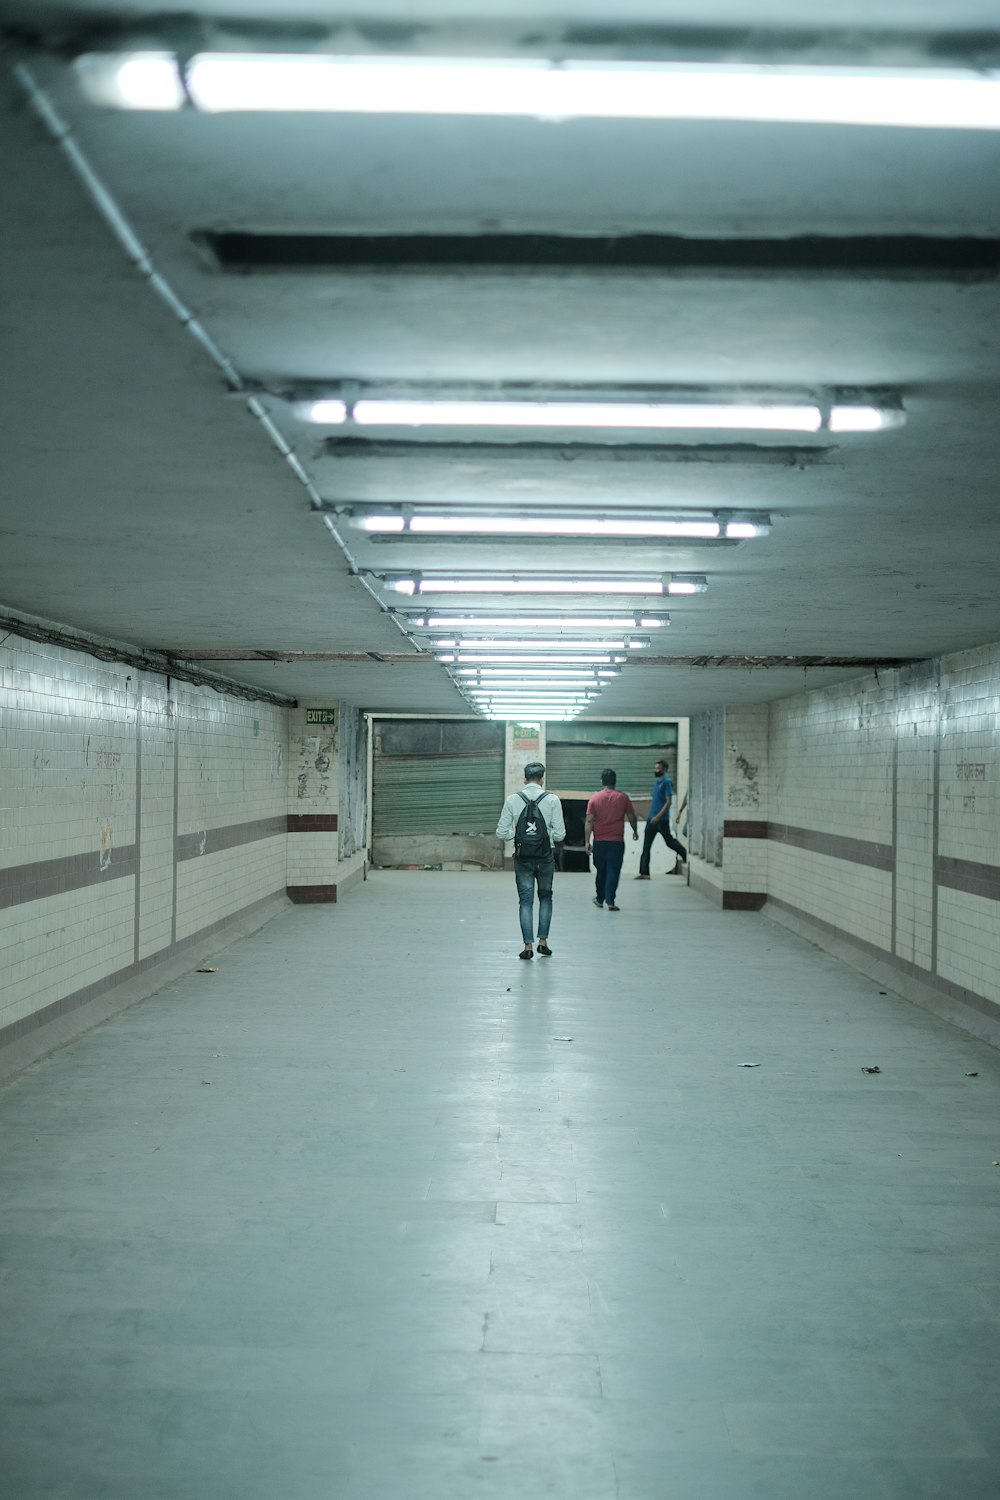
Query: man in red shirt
604 831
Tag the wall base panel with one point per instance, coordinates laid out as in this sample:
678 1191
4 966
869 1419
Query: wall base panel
706 879
61 1023
963 1008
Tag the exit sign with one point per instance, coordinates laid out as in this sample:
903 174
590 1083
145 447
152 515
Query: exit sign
321 716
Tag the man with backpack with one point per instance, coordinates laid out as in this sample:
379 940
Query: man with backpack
533 819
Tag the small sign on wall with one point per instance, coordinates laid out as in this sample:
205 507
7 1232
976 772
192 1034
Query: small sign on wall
525 736
321 716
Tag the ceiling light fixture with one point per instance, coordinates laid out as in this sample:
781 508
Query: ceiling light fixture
528 659
516 716
539 678
673 416
863 418
511 695
570 526
518 584
544 89
712 412
507 693
581 621
490 643
419 523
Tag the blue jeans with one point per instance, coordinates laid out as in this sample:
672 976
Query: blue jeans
526 873
608 856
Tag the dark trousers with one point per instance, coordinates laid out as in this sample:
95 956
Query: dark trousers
652 829
608 856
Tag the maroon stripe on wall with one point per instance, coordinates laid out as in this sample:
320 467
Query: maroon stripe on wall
307 895
734 828
969 876
743 900
312 822
214 840
856 851
73 872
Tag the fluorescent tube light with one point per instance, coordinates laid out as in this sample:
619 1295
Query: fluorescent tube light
514 715
864 418
543 622
540 683
132 80
477 643
527 702
328 413
692 416
521 585
491 659
740 526
687 583
382 523
539 88
529 698
528 676
536 525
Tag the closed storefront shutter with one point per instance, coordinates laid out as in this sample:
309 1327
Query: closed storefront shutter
575 765
455 787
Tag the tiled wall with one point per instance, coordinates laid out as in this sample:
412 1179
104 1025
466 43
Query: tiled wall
746 795
318 869
874 814
133 818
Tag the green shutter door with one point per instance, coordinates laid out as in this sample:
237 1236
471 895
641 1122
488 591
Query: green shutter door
576 767
455 787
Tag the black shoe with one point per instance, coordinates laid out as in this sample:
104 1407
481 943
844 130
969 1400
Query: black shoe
598 903
613 907
526 953
640 877
544 948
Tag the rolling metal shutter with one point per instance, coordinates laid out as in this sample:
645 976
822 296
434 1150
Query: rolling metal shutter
457 787
576 754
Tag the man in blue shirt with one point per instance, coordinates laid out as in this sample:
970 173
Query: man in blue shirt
658 821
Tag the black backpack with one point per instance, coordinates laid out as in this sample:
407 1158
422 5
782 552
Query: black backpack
531 836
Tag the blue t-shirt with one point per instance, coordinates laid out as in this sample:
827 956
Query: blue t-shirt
663 788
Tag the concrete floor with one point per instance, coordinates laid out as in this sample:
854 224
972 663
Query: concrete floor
378 1212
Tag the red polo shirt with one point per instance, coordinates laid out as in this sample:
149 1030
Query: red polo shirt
609 808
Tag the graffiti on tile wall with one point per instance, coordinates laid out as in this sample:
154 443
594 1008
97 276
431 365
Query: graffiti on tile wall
313 759
743 790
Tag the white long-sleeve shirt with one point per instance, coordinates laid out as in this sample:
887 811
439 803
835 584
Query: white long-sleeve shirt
551 810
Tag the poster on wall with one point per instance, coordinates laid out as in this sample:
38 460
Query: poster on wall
525 736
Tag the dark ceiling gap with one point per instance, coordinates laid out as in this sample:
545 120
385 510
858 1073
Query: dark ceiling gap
890 257
436 449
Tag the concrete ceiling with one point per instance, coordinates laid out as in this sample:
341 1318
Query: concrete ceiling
143 501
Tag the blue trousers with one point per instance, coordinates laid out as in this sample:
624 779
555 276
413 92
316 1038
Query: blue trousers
608 856
528 872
